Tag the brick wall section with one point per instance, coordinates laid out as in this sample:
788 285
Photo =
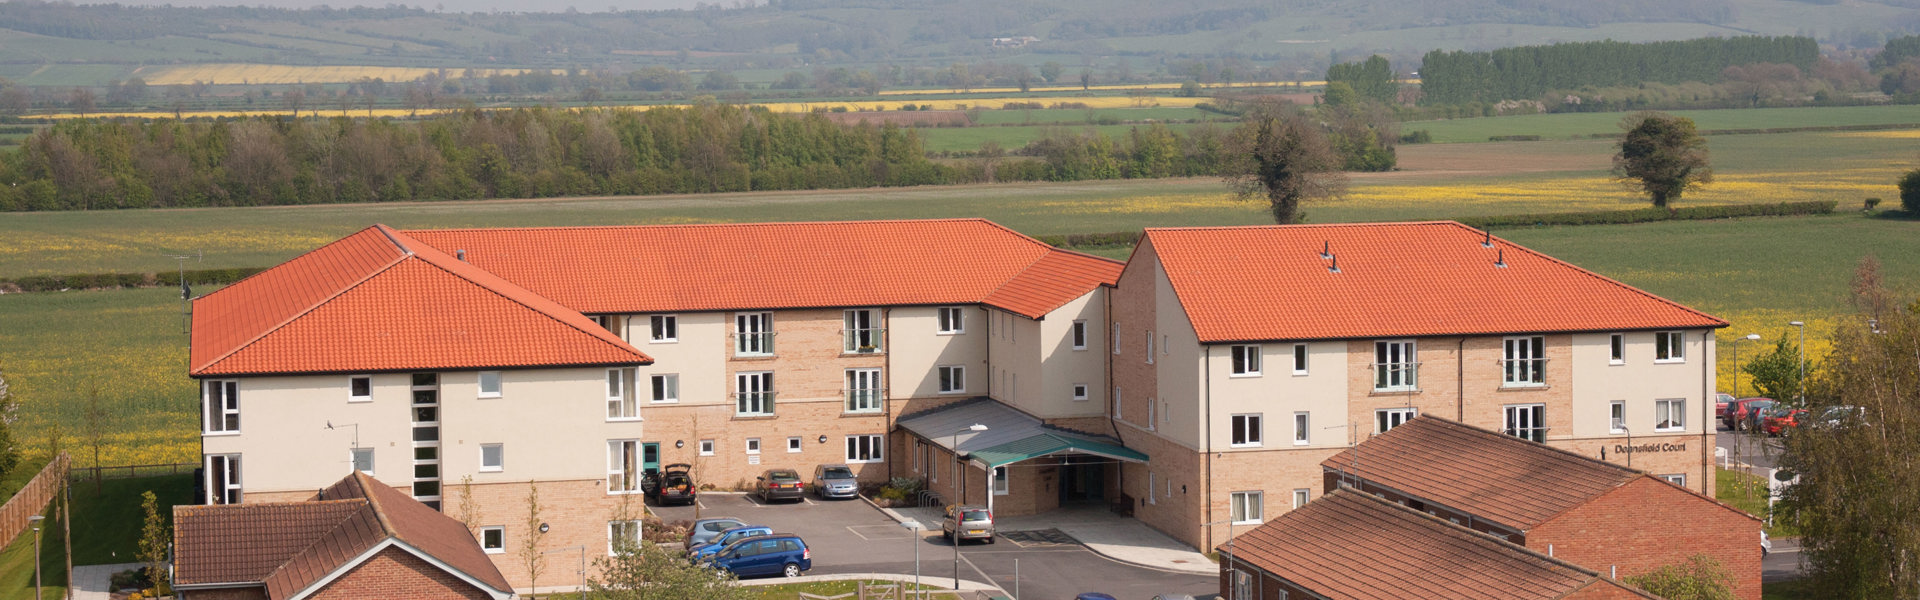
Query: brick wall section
1647 524
1488 396
1438 383
576 513
246 593
1276 473
1265 585
1178 474
396 573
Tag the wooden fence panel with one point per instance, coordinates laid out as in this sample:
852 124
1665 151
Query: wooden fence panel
33 498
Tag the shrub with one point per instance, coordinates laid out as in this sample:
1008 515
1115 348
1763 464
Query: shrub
1417 136
1643 215
1513 138
1910 192
1872 203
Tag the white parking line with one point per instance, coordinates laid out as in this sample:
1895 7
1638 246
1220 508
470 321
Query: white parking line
807 500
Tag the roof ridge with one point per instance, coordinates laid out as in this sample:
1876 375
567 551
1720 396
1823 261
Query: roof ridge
594 333
728 224
361 479
372 273
1305 225
291 558
294 258
1595 275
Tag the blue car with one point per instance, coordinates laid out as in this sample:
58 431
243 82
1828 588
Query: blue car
777 554
729 536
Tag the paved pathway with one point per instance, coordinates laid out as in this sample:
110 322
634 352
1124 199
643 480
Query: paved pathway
91 581
1116 537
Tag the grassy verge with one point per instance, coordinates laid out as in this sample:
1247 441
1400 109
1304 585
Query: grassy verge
16 565
1798 589
107 520
1568 125
791 591
1748 492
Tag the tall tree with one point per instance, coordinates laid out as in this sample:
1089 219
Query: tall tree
1372 79
95 415
1910 192
155 541
9 412
1284 158
1662 156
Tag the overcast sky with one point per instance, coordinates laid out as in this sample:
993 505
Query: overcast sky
455 5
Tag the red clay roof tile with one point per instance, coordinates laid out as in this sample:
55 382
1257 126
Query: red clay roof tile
1395 279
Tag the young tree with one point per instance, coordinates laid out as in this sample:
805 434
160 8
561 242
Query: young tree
530 547
1285 159
1910 192
469 509
1662 155
154 540
96 429
649 572
1776 374
1699 578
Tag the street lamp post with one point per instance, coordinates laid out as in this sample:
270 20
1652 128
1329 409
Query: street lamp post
1802 326
34 521
1751 337
914 526
961 481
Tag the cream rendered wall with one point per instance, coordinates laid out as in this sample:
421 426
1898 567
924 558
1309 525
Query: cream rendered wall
1013 356
1180 360
917 347
699 357
283 440
552 425
1062 366
1640 381
1277 393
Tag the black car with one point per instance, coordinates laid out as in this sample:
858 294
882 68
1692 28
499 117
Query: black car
671 485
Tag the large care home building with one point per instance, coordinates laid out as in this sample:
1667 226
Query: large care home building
1243 357
473 364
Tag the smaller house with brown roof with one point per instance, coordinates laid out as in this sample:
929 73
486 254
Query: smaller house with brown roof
1594 513
1352 545
359 539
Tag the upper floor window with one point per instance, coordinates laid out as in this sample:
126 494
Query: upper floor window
489 384
1246 508
1302 433
666 387
620 394
1617 416
1395 366
1149 347
1525 361
1669 346
363 460
623 466
1116 337
953 320
1527 421
221 404
1079 392
953 379
1246 361
493 458
493 539
1299 359
1617 349
1079 335
753 393
863 390
1246 430
665 328
753 334
1669 415
360 388
1386 419
611 323
861 334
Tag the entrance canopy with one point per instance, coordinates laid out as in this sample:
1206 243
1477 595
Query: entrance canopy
1011 436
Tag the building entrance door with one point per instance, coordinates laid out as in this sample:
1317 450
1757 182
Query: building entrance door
1082 483
650 457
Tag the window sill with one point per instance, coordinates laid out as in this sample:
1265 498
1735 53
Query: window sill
623 492
865 462
1245 445
861 413
962 332
487 396
1299 373
845 354
706 454
1679 361
218 433
667 401
1302 443
487 470
753 417
626 420
1676 430
1616 432
1239 523
496 551
1079 349
1079 399
755 356
953 393
1394 392
1526 387
666 341
1252 375
365 400
1616 363
1000 493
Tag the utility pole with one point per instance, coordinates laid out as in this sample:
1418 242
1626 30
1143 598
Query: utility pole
186 291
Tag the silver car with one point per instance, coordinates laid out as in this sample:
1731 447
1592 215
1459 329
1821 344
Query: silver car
967 523
835 481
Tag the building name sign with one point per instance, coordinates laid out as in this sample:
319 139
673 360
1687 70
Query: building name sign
1656 447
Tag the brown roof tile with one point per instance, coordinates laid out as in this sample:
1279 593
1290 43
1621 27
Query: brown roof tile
246 542
1353 545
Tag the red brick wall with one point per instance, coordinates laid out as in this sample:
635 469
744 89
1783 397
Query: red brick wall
1647 524
396 573
1265 585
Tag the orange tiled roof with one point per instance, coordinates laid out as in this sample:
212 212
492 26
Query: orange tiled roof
1353 545
380 301
667 268
287 547
1395 279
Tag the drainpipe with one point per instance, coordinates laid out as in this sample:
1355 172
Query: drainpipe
1706 400
1206 440
886 370
1460 379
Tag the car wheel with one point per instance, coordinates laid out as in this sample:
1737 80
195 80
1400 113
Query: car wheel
990 539
792 570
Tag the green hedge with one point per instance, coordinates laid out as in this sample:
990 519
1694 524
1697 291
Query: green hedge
1091 240
1643 215
88 281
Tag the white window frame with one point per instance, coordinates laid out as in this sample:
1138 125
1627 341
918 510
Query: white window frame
952 379
1676 409
1679 479
857 325
1150 414
760 400
794 445
1302 428
1617 349
1248 427
1391 375
1149 346
623 462
1116 404
1675 343
1242 586
1116 338
1385 419
500 452
663 329
621 402
1001 480
663 388
1152 498
753 446
494 529
950 320
1245 360
634 528
351 397
353 458
1617 416
706 447
1077 336
1302 496
1300 359
215 421
1523 361
865 392
753 334
480 384
1080 392
874 445
1525 421
231 469
1245 508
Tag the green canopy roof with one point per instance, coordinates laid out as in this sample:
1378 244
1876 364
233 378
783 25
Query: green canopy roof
1044 444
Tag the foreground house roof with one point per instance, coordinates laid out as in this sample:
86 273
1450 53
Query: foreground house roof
1394 279
292 548
671 268
1349 544
378 300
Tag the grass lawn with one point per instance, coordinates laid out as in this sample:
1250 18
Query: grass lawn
16 564
1798 589
1079 116
791 591
948 139
1567 125
1748 492
106 530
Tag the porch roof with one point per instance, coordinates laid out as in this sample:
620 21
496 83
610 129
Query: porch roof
1011 436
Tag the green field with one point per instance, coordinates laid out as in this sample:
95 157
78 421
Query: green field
949 139
1562 126
108 532
1084 116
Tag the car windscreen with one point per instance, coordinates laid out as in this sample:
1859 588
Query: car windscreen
975 515
783 476
837 473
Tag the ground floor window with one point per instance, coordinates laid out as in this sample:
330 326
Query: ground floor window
493 539
865 448
1669 415
1000 481
1242 586
622 536
1246 508
223 479
1679 479
1386 419
623 466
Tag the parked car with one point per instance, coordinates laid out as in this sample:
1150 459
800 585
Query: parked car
671 485
719 542
964 523
704 530
835 481
1835 416
1720 403
780 553
1781 420
1094 596
1739 411
1757 414
782 484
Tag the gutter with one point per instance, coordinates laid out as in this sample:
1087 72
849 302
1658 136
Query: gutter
1706 403
1206 440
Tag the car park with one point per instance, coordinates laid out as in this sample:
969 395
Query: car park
774 554
1720 404
1780 421
779 484
672 485
835 481
963 523
696 553
704 530
1835 416
1756 416
1740 411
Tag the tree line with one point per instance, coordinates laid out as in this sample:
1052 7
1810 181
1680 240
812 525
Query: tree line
1528 72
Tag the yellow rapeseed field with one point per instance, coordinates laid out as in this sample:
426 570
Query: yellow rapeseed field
1897 134
1074 88
252 74
318 108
